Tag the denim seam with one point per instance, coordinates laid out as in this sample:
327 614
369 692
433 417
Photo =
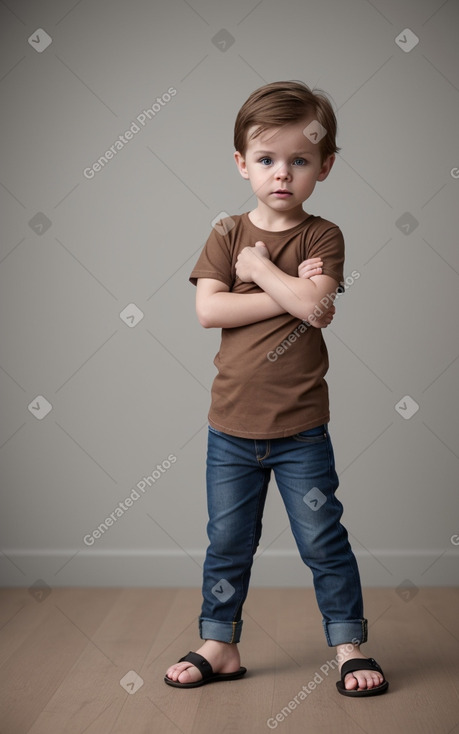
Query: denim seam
266 454
331 461
310 440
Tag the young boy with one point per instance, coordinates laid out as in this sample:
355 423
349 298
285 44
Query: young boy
268 279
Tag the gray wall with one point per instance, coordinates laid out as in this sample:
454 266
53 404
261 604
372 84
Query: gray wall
125 394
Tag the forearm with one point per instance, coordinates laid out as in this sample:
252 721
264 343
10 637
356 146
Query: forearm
297 296
229 310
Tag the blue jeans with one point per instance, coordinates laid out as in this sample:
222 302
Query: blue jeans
238 473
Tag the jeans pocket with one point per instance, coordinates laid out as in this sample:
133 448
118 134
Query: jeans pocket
312 435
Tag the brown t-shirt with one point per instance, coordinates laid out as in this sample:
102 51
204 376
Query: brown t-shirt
270 381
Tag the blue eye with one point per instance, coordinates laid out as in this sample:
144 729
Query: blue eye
301 161
262 160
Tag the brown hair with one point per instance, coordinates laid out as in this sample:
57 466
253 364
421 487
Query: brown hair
281 103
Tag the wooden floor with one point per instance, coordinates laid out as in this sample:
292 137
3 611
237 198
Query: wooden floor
63 653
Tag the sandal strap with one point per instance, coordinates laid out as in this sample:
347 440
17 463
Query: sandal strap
199 662
355 664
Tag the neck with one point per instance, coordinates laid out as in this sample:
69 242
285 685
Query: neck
265 218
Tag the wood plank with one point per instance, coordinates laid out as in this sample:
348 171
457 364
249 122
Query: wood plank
91 697
62 660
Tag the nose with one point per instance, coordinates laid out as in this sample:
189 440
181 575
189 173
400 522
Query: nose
282 173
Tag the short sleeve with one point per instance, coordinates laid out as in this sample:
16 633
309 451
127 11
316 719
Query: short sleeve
215 260
328 244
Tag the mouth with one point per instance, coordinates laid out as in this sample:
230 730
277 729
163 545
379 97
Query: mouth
282 192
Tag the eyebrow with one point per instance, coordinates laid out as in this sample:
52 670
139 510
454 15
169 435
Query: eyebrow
269 152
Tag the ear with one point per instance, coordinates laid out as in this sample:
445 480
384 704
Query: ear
326 167
241 164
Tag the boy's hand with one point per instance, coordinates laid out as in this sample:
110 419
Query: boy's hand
246 260
310 267
307 269
322 322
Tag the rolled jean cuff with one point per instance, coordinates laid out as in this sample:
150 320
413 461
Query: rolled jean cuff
348 630
210 629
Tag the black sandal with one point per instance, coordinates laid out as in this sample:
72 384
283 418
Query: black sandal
208 675
352 666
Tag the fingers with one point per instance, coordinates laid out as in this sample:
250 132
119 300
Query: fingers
309 272
310 267
321 322
312 261
261 247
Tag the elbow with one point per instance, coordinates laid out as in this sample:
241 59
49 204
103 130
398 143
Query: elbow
206 324
204 318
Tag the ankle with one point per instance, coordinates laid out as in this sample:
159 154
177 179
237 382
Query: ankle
228 645
346 651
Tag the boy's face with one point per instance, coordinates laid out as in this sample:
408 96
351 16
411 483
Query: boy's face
280 160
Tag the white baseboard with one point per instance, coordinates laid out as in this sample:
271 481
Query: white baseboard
156 568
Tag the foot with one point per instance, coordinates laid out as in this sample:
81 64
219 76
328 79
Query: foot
360 678
223 657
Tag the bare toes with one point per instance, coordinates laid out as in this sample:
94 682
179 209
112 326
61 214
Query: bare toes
184 673
351 682
175 671
362 680
185 676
